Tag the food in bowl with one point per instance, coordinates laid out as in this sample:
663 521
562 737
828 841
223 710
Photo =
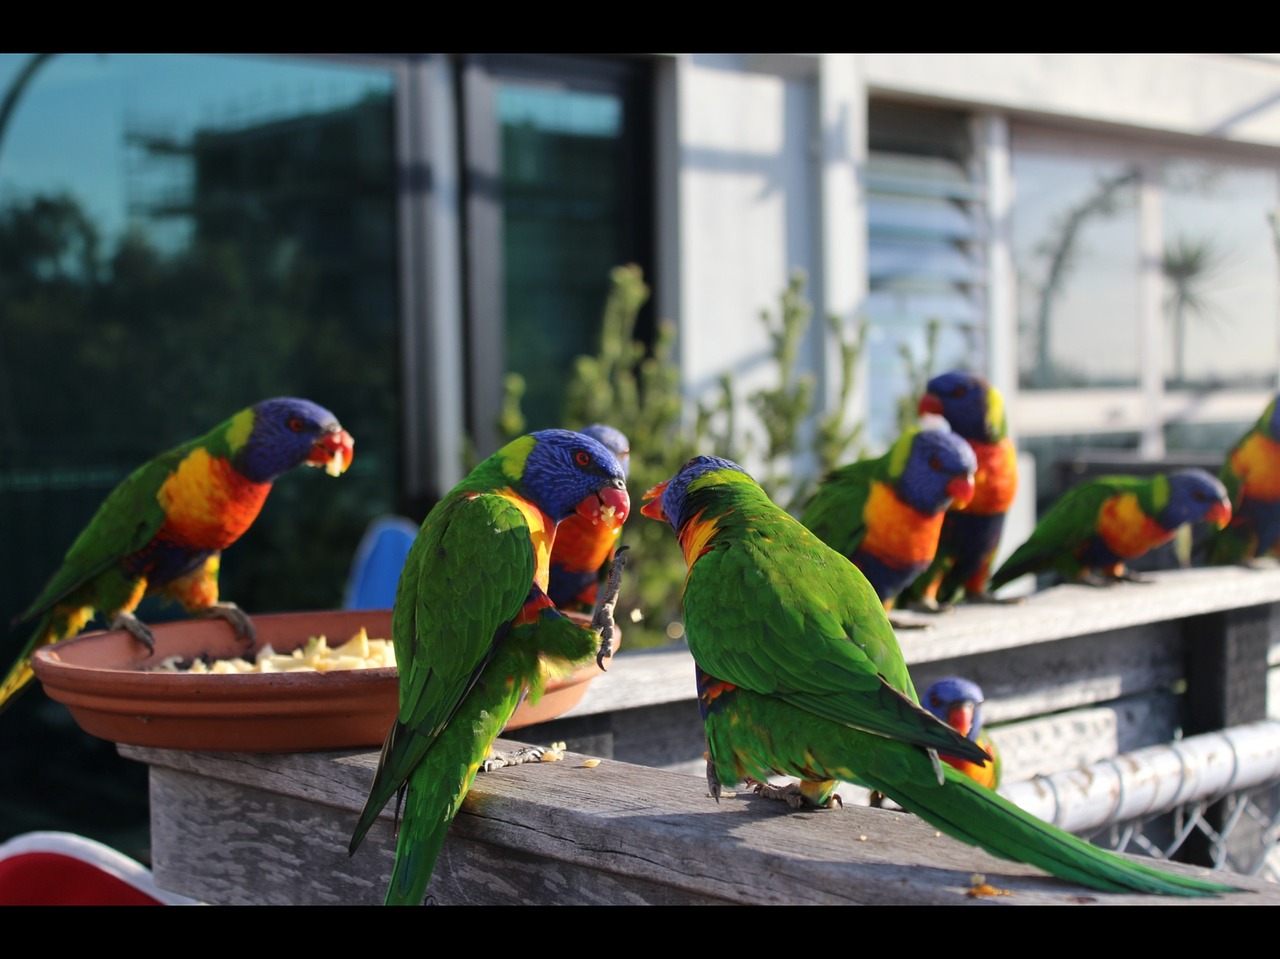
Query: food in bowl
315 655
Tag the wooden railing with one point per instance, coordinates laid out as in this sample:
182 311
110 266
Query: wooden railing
1072 675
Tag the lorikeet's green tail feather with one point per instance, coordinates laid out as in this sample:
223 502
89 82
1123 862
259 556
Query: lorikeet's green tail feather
421 837
980 817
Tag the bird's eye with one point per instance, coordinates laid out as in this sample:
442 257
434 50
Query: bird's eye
958 392
582 458
935 463
297 424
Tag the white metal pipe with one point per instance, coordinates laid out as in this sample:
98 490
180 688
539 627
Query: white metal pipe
1155 780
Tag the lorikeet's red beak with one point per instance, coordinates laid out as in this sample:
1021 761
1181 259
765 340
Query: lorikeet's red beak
652 507
333 451
960 718
960 490
610 506
1219 515
930 404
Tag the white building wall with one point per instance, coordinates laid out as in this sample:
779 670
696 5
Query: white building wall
1229 96
747 216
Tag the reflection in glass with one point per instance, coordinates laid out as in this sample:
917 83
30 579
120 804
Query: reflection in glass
1219 262
184 235
1075 247
180 236
561 200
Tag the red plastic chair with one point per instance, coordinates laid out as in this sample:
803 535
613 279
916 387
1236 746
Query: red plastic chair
64 869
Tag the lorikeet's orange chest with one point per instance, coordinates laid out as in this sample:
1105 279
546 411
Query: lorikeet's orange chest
584 545
996 480
897 532
1258 461
208 503
1127 530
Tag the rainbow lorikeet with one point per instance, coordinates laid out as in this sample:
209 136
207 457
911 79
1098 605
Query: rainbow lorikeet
970 534
162 530
958 703
885 514
475 632
1096 528
584 548
800 674
1251 474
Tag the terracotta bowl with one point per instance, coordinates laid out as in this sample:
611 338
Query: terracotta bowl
103 678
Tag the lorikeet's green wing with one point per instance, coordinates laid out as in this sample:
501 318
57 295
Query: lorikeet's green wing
127 520
448 621
835 512
1066 526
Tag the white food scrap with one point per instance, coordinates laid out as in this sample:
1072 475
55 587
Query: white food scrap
359 652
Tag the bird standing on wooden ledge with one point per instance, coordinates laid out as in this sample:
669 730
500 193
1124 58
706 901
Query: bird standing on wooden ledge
800 674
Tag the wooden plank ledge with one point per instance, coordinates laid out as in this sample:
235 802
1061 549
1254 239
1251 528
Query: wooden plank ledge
246 828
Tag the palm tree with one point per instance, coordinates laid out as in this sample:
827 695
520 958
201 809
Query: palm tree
1188 264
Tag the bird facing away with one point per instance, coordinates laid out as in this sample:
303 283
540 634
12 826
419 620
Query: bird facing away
958 703
970 535
800 674
475 632
1096 528
1251 474
584 548
162 531
885 514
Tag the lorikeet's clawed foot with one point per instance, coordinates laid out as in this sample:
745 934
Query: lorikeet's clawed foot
136 627
876 799
793 795
525 754
602 618
237 617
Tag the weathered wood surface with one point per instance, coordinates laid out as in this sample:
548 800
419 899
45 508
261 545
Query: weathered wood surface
273 829
1072 675
970 630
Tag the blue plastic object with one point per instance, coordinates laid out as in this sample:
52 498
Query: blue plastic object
375 568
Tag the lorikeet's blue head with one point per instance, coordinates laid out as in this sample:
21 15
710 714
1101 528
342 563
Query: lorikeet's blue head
667 500
276 435
615 439
567 472
937 471
958 703
1195 495
973 407
1269 422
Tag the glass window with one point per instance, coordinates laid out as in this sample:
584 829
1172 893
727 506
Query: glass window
567 139
560 194
183 236
1219 260
1075 247
180 236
